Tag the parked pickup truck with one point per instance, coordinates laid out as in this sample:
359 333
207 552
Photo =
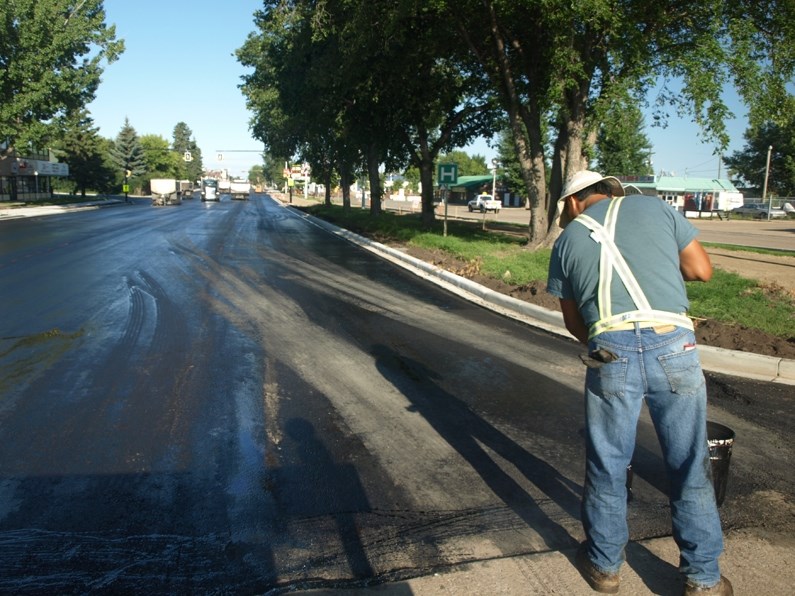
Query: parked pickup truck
165 191
484 203
240 189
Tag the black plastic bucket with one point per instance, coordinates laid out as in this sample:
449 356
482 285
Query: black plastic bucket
720 439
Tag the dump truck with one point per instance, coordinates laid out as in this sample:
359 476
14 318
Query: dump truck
165 191
224 186
240 189
186 189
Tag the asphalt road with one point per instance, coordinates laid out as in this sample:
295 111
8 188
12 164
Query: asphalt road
222 397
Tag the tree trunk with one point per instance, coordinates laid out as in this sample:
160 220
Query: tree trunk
425 165
525 122
375 180
327 184
426 179
345 181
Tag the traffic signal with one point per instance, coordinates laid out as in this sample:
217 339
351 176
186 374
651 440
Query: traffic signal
127 173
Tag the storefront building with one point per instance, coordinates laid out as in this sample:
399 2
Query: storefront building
29 178
691 196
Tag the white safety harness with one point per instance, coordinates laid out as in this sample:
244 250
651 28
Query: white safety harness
610 259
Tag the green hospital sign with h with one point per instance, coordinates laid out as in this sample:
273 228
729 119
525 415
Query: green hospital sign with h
446 173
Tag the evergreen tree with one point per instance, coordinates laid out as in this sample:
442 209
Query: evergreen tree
510 169
128 156
84 151
622 148
184 143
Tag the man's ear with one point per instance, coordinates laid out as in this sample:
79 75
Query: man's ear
571 203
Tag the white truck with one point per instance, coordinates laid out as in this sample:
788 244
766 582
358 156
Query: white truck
240 189
224 186
165 191
186 189
483 203
209 190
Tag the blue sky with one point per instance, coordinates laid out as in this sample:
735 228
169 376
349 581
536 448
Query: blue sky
179 66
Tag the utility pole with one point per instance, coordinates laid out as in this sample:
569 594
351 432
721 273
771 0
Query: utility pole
764 188
494 165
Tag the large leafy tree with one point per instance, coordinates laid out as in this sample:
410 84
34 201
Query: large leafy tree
51 57
750 163
85 152
566 62
354 85
161 161
420 85
555 67
468 165
271 171
299 92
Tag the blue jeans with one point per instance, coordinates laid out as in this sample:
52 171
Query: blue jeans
665 369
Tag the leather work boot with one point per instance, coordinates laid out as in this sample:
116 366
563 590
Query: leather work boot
722 588
606 583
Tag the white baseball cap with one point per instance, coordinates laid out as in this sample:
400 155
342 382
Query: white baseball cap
577 182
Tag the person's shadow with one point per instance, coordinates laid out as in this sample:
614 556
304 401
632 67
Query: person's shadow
470 435
317 485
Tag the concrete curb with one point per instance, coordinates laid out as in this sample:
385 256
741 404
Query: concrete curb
37 211
719 360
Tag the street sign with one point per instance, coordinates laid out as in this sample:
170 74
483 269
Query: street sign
447 173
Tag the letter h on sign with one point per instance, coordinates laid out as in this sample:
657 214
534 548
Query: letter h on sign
447 173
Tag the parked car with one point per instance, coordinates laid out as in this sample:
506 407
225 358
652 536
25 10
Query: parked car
484 203
759 211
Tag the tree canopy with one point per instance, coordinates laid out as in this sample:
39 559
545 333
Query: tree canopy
351 85
127 152
622 147
750 163
86 153
51 58
352 82
184 143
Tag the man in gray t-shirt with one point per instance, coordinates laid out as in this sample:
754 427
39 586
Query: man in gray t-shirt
650 235
619 269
